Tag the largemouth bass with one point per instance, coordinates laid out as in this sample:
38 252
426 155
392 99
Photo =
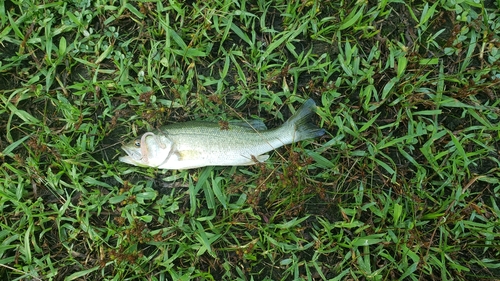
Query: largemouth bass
196 144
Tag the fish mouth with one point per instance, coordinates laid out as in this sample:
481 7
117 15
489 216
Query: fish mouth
127 159
133 156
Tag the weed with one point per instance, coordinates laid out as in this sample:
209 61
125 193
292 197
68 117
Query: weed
404 186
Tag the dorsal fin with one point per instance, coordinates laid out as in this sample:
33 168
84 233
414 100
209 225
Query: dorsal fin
250 124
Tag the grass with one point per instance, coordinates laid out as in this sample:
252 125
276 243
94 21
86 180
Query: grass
405 186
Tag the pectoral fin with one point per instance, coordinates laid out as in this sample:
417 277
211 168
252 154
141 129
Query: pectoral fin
186 155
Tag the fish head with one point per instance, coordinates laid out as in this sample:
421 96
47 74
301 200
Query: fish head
149 150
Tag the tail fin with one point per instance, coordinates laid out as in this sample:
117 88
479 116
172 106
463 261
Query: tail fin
301 122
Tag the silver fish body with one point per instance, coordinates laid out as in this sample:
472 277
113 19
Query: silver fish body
197 144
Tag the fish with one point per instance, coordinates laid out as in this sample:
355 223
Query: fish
196 144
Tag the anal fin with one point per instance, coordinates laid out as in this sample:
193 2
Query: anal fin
256 159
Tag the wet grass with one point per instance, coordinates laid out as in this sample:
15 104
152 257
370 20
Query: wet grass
405 185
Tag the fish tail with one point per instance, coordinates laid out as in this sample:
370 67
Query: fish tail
301 122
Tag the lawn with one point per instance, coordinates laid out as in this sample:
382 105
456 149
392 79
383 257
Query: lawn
405 184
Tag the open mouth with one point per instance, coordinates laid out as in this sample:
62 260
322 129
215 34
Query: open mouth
132 156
